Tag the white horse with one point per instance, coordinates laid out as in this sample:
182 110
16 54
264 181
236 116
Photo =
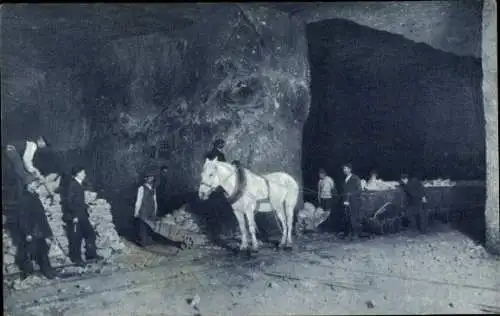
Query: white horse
249 193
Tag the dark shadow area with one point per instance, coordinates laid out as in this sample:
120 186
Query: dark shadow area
386 103
472 223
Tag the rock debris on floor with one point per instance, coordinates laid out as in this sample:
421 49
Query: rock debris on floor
441 272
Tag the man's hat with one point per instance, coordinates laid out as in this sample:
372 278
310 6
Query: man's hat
218 143
348 165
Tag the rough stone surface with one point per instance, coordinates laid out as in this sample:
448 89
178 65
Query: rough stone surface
37 98
167 99
310 217
490 91
451 26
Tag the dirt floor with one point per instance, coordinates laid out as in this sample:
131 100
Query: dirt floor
441 272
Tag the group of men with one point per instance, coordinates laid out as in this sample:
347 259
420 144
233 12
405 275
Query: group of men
35 233
351 201
31 228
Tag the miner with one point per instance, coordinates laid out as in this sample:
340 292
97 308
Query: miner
146 208
351 199
76 216
34 231
415 203
326 191
216 151
21 156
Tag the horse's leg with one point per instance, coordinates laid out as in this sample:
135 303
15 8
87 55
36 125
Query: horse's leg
280 213
289 212
240 217
250 214
289 207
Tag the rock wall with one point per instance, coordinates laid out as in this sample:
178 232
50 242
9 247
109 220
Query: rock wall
450 26
41 99
490 91
243 78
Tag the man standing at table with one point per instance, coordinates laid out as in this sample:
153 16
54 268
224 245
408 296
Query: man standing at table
415 203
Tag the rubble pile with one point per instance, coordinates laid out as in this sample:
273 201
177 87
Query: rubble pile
381 185
378 185
439 183
179 226
183 219
9 253
310 217
108 241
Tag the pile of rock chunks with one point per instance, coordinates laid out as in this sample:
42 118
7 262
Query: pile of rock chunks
310 217
108 242
180 226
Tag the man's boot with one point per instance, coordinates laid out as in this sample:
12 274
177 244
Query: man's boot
46 268
91 253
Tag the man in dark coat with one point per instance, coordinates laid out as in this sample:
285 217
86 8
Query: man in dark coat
415 203
217 151
33 229
146 208
351 199
76 217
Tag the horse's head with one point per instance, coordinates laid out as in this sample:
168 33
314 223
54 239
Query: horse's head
210 178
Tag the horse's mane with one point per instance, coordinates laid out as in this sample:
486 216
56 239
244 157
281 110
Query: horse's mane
241 180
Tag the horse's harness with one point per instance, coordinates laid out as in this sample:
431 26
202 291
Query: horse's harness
241 185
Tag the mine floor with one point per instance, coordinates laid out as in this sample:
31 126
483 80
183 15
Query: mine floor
441 272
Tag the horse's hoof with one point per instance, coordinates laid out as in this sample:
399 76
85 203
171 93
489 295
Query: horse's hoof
288 248
254 250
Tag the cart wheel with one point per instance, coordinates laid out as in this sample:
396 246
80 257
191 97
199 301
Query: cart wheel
187 243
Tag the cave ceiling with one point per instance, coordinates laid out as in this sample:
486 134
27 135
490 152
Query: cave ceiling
58 30
51 32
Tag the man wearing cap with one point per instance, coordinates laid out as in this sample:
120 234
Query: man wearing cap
146 208
76 217
415 203
351 199
216 151
326 191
